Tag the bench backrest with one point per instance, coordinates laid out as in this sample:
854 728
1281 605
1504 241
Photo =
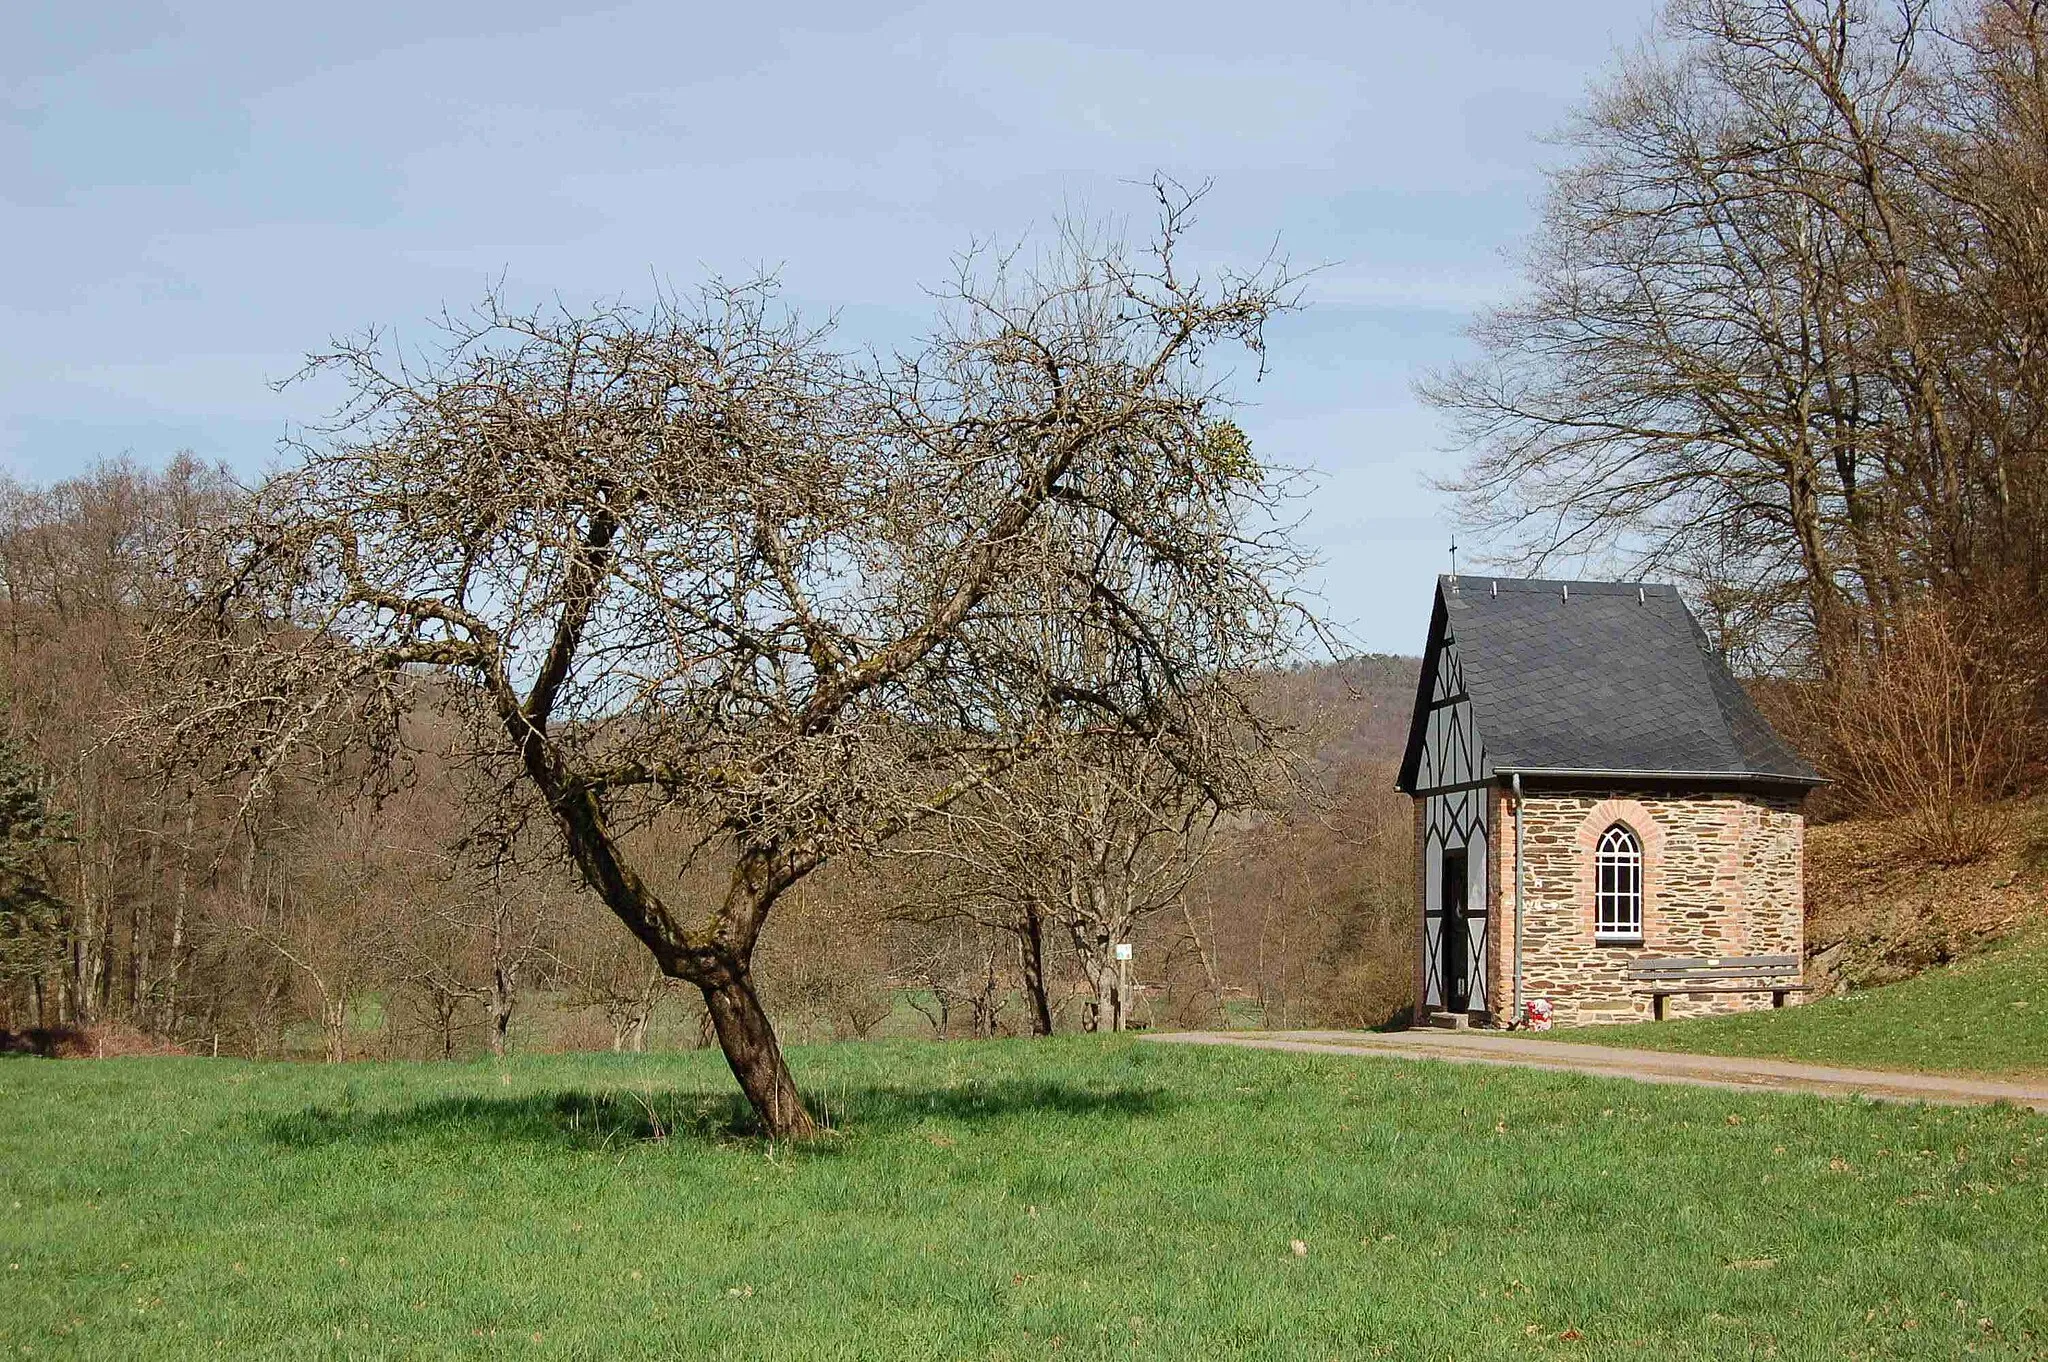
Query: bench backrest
1721 966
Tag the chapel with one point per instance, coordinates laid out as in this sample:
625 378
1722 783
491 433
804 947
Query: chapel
1606 827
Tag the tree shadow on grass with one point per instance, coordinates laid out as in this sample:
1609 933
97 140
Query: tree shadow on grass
612 1118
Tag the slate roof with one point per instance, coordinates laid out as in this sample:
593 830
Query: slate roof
1595 678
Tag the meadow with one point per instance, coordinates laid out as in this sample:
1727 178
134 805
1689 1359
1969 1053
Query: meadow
1007 1199
1985 1015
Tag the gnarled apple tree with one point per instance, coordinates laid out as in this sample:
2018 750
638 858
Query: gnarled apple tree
733 601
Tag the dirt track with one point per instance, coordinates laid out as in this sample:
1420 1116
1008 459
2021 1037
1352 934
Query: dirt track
1648 1066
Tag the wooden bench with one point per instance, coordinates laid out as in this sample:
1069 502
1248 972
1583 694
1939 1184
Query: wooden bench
1776 975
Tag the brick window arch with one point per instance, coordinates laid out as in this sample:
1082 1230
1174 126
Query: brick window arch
1618 885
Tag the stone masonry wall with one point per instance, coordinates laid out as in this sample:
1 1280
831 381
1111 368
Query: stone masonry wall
1722 875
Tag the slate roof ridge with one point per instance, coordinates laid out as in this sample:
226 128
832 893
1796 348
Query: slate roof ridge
1463 582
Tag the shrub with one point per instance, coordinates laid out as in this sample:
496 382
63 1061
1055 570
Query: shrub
1933 726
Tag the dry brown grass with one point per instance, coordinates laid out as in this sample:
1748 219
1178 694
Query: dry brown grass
108 1040
1878 910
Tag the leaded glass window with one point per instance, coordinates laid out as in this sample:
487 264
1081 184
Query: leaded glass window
1618 886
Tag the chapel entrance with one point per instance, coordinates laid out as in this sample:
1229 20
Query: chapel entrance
1456 984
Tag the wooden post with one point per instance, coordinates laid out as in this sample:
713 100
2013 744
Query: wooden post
1123 983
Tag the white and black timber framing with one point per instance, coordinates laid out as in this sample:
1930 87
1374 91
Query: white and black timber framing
1451 781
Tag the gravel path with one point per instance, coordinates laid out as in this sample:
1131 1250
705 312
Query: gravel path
1648 1066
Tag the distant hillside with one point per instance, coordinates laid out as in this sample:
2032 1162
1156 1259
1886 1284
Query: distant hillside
1358 706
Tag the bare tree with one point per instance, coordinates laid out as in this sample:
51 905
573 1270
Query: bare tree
617 981
81 561
1684 382
1091 842
959 887
1312 910
478 931
955 966
329 917
1930 730
1102 827
826 965
1782 335
694 567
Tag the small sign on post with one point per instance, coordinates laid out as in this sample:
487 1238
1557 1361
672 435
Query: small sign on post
1123 985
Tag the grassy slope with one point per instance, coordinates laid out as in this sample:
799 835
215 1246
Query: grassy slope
1877 912
1984 1015
1001 1200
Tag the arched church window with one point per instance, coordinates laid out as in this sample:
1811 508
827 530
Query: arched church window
1618 886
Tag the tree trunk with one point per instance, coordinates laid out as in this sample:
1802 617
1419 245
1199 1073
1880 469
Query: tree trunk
334 1017
1187 915
444 1005
85 946
142 931
748 1040
1105 1001
1031 952
988 998
642 1015
167 1014
1833 628
1096 933
1109 999
718 968
504 996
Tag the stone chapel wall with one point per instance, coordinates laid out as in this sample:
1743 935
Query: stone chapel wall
1722 875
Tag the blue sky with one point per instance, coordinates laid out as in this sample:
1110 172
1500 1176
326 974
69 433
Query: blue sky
193 197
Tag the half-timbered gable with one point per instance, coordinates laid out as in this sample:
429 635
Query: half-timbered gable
1597 804
1451 785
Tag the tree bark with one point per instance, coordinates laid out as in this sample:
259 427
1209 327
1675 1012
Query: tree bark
504 996
142 931
444 1005
1106 1000
334 1018
643 1014
750 1047
1031 962
85 947
1096 930
167 1014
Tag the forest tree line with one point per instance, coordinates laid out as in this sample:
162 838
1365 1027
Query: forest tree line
1781 340
177 911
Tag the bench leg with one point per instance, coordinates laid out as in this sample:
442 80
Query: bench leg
1657 1006
1777 997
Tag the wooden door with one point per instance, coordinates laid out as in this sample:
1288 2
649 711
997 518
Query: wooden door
1457 976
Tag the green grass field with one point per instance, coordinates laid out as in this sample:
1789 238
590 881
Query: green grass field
1010 1199
1985 1015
